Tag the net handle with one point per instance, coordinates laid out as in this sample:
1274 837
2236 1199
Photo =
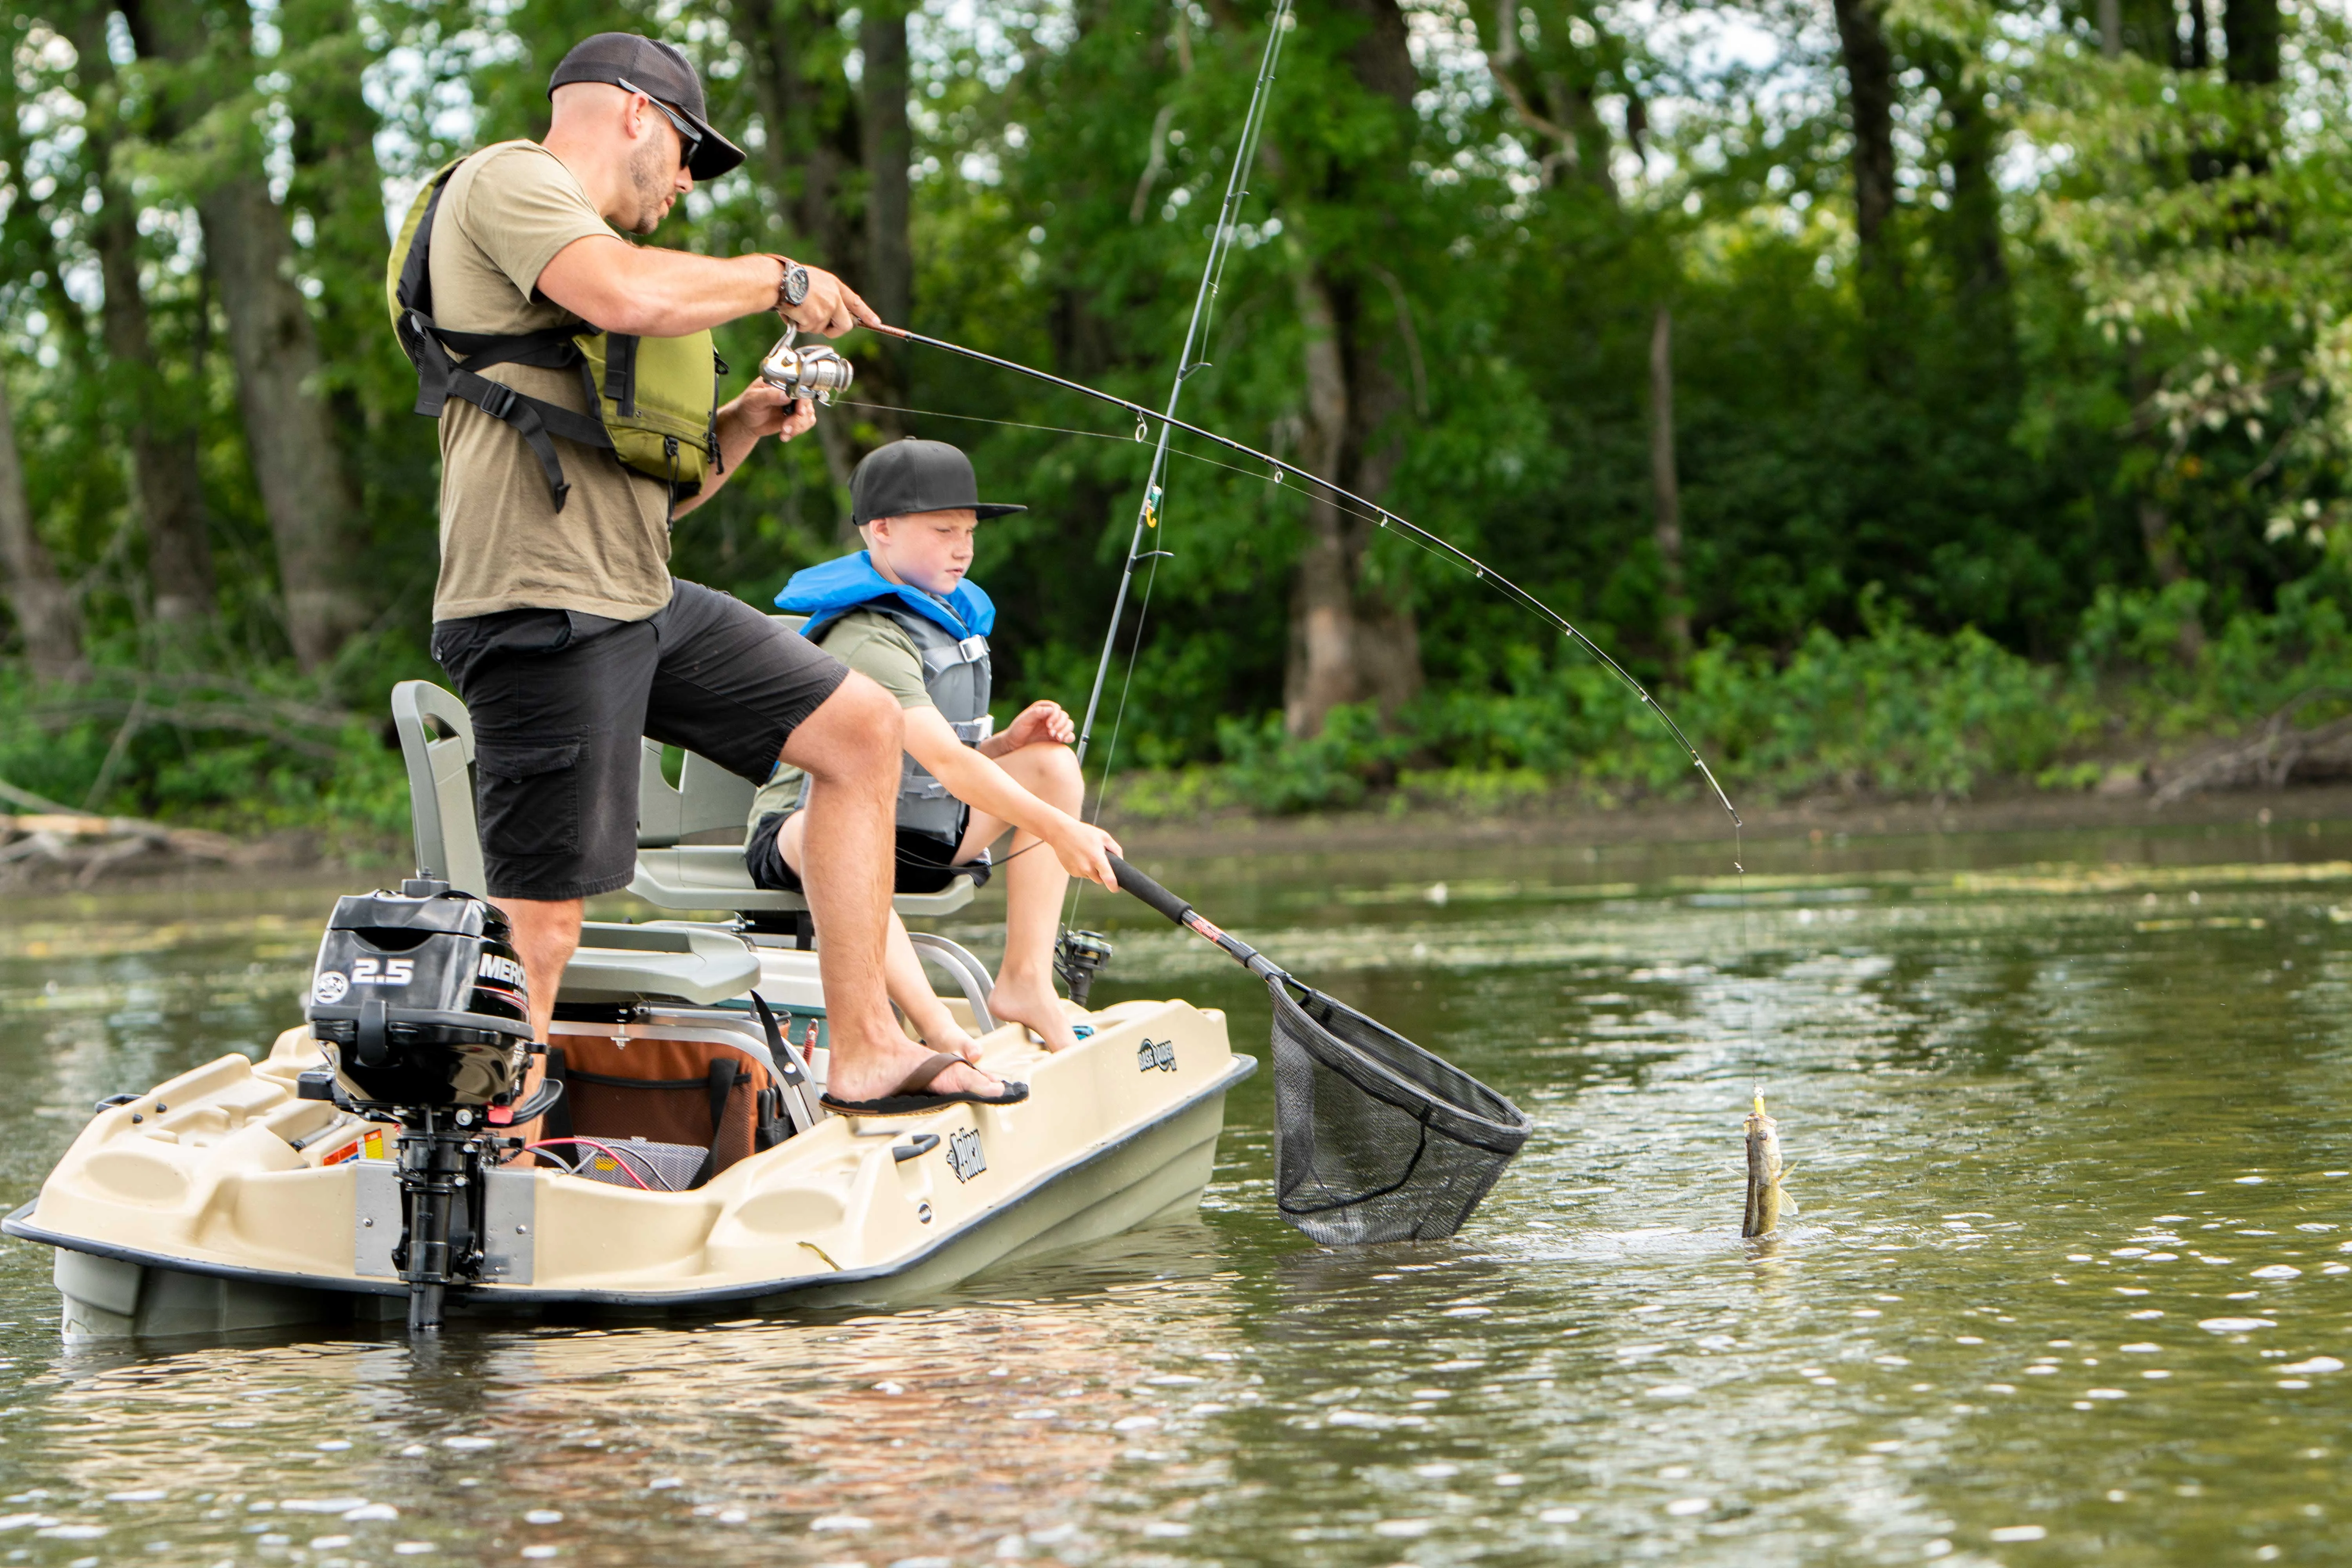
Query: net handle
1134 881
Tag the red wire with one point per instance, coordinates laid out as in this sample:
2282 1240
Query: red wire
622 1159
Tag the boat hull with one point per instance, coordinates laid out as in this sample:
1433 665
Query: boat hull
847 1217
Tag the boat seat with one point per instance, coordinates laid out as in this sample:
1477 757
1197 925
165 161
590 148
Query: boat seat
709 801
617 964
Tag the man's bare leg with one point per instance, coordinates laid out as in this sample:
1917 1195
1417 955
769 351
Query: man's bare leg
546 935
849 749
1033 885
910 986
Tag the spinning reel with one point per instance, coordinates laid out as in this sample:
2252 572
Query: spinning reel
1078 957
816 371
419 997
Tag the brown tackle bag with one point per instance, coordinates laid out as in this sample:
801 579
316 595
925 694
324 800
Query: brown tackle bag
701 1093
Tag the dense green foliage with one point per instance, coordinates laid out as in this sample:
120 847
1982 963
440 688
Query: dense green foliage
2046 459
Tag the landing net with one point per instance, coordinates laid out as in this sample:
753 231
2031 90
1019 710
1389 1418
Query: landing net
1376 1139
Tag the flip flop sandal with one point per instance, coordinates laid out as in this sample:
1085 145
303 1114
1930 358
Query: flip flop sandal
911 1098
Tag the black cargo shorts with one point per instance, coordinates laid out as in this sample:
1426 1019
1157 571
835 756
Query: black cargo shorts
559 699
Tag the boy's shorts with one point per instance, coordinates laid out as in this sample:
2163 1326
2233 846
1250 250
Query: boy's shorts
922 864
558 700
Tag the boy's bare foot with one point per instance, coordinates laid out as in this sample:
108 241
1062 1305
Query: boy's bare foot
953 1040
1036 1004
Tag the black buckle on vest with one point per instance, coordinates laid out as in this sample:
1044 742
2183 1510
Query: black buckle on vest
500 401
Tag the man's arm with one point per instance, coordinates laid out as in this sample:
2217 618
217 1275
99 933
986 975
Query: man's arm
1084 849
647 291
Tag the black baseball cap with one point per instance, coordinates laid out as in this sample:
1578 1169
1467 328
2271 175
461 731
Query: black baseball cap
659 71
913 475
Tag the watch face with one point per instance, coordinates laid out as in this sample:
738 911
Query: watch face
796 284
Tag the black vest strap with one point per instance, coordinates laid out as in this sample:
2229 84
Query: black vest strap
439 376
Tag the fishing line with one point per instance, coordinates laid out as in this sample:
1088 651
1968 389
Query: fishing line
1375 513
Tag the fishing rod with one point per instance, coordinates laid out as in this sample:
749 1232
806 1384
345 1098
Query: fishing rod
1382 515
1212 274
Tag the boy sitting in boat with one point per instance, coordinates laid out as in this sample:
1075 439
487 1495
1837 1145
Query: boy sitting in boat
901 612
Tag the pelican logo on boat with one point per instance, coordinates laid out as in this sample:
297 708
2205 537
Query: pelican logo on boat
498 967
965 1157
1160 1054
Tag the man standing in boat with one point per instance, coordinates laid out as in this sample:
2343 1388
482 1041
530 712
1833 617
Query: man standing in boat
555 613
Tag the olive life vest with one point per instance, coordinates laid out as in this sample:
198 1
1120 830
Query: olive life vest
655 398
951 635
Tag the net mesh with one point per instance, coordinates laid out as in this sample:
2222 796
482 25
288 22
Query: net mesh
1376 1139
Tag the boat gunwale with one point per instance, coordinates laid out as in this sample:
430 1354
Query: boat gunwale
18 1226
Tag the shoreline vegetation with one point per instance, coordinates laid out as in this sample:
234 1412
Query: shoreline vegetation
1902 727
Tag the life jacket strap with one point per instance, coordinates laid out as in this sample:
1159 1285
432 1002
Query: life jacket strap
950 655
439 378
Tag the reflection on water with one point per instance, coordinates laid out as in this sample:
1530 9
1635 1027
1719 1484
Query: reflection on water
2072 1278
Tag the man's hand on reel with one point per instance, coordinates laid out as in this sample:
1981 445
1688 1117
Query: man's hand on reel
763 410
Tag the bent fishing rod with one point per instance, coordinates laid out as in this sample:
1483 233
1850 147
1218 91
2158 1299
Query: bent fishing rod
1373 509
1212 274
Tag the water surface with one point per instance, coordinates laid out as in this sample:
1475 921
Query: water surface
2068 1121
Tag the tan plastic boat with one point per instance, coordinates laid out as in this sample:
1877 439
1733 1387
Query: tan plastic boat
223 1199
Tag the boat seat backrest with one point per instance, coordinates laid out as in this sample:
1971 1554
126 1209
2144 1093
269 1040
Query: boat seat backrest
706 798
440 783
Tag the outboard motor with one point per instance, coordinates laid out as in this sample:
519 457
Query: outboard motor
420 997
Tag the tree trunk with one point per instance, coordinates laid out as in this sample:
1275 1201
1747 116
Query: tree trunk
46 615
814 150
1351 641
1870 99
2250 31
339 185
1667 494
888 282
158 427
1986 377
288 429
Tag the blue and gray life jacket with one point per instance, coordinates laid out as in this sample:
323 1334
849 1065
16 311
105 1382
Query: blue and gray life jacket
951 635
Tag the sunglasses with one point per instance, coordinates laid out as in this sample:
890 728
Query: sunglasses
688 137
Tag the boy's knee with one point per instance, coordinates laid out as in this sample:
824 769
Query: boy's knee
1056 771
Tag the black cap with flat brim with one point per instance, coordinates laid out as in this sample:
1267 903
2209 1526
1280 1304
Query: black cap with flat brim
662 73
912 476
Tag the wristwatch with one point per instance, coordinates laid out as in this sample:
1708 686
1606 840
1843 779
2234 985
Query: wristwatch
793 287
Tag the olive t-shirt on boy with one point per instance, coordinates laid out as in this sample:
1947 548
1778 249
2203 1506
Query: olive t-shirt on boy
876 647
504 214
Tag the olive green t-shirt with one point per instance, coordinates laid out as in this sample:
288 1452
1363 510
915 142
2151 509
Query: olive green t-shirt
875 646
504 214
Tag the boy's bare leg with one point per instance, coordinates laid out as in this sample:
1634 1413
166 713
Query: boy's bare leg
910 986
849 749
1033 885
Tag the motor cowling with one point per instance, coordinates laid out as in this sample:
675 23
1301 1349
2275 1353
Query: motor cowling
420 996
